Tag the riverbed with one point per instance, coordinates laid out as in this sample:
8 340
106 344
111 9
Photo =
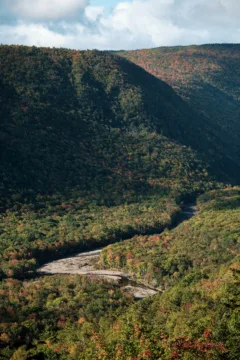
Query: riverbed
84 264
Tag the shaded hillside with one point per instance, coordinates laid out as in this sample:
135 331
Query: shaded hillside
208 78
73 118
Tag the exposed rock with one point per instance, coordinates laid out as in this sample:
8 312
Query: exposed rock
84 264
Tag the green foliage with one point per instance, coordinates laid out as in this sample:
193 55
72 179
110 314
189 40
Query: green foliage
83 161
197 316
58 229
195 248
95 150
66 115
56 317
207 78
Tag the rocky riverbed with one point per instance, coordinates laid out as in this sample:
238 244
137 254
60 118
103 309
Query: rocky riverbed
84 264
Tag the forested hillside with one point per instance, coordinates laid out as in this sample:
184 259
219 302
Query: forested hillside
66 116
82 132
95 151
207 77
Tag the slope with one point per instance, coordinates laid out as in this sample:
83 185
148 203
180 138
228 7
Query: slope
59 107
84 155
93 150
207 78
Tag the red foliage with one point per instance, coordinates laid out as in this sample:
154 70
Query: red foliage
200 349
187 306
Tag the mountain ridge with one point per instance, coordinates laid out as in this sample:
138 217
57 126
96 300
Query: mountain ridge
207 78
92 90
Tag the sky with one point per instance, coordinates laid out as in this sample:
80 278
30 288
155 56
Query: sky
118 24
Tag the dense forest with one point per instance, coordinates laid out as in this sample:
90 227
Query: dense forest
195 316
207 77
84 156
96 151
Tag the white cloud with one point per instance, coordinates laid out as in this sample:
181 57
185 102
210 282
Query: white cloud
32 34
150 20
46 9
134 24
94 12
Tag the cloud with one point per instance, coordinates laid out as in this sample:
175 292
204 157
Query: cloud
130 25
46 9
32 34
94 12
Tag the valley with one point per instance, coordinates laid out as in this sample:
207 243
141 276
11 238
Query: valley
119 204
86 264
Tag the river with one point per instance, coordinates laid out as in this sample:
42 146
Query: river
84 264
